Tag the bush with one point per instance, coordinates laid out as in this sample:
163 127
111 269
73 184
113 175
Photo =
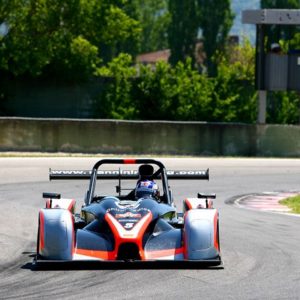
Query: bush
163 92
158 93
235 96
116 99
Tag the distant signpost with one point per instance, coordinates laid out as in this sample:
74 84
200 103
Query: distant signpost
273 72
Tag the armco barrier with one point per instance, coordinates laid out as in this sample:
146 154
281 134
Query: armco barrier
148 137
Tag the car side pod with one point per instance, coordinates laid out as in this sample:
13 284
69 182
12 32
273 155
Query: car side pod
201 234
55 234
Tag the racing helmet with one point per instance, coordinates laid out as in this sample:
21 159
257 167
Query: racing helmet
147 189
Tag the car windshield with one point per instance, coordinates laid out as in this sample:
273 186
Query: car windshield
121 187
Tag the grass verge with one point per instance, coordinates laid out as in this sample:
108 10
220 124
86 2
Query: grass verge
293 203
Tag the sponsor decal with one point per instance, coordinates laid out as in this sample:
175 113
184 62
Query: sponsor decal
127 214
198 172
71 172
124 172
123 210
114 209
127 218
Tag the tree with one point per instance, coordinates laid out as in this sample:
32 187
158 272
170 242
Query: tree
216 20
106 24
65 38
160 93
116 100
284 4
235 95
193 93
183 29
283 108
154 19
213 17
154 92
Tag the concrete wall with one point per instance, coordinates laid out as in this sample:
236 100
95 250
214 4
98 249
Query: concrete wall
148 137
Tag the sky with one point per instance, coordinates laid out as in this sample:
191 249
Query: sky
243 30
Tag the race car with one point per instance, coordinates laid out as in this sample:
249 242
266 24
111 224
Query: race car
138 223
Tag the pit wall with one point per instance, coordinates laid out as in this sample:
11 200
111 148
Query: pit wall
149 137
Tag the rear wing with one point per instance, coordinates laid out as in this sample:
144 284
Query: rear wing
125 174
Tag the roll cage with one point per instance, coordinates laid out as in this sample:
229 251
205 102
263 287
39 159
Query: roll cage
94 174
159 173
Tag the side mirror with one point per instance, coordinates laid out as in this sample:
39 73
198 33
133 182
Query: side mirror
206 196
51 195
208 203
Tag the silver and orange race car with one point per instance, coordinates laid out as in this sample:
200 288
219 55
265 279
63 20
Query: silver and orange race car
123 226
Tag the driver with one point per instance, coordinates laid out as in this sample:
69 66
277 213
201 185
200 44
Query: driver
147 189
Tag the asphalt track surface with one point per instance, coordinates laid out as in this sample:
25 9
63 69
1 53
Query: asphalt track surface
261 250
